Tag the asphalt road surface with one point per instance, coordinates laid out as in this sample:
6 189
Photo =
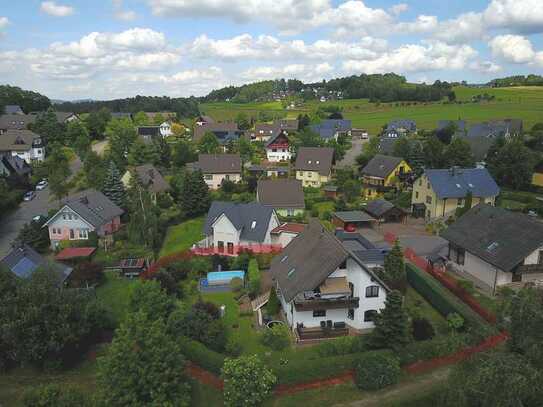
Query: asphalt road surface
40 205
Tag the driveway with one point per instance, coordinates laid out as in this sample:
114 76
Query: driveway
40 205
352 153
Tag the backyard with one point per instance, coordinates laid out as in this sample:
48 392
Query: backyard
183 236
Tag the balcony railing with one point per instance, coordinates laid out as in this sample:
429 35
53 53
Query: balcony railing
322 303
237 249
321 333
530 269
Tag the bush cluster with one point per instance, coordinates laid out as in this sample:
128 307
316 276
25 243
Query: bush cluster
375 370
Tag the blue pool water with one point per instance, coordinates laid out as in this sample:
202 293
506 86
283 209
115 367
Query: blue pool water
224 276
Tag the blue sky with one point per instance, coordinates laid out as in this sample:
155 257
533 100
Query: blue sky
104 49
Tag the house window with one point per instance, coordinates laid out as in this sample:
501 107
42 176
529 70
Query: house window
343 265
319 313
540 257
208 177
227 177
220 245
428 199
290 212
372 291
274 150
83 233
64 216
369 315
350 313
460 202
72 234
230 248
460 256
416 194
69 216
309 174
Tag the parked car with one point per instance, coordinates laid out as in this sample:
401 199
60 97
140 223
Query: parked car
41 185
29 196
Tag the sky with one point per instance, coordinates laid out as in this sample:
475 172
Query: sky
107 49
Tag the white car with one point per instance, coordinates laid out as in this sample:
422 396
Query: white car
41 185
29 196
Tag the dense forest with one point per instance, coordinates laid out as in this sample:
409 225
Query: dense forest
518 80
184 107
383 88
28 101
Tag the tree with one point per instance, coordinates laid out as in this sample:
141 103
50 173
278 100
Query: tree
95 170
394 265
458 153
143 153
113 187
96 123
78 136
158 119
209 144
53 395
303 121
195 199
247 381
40 323
434 153
446 134
525 319
276 337
375 370
351 190
511 162
178 130
391 324
144 215
245 149
183 154
34 235
242 121
121 133
402 148
140 119
494 379
58 171
148 297
143 366
49 128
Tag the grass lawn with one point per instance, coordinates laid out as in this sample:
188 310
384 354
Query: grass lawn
324 206
183 236
114 293
417 305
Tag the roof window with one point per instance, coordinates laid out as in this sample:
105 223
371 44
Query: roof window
253 225
458 186
470 185
284 258
309 161
291 272
492 246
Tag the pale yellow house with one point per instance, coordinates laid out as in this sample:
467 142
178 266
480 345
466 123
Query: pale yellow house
314 165
383 173
438 193
217 168
537 176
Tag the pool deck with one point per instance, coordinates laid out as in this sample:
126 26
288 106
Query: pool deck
213 288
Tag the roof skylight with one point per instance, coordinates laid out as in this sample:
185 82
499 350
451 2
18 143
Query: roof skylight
291 272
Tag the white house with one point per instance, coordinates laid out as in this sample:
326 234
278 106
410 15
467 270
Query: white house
166 129
230 227
217 168
278 148
324 288
495 247
23 144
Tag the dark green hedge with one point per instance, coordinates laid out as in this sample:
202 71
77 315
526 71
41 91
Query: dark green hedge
442 299
201 355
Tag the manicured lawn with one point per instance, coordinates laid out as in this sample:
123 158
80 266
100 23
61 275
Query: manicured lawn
183 236
417 305
114 293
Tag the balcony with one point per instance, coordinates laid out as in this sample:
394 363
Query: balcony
530 269
316 303
317 333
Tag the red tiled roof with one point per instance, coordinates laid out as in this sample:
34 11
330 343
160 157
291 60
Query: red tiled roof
74 252
289 227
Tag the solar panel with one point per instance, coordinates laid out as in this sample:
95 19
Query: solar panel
24 268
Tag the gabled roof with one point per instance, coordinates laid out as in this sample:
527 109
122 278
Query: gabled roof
315 159
381 166
91 205
498 236
406 124
480 146
328 128
386 144
23 261
457 182
16 165
153 131
218 163
18 140
205 119
223 131
379 207
151 178
308 260
252 219
63 116
16 121
276 136
287 124
289 227
281 193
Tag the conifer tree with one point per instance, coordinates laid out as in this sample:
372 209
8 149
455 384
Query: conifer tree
143 225
113 187
394 264
195 199
391 324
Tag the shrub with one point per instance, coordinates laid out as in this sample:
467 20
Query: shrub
201 354
276 337
436 347
466 285
375 370
233 347
455 321
236 284
86 273
200 326
343 346
273 306
53 395
254 278
422 329
315 213
167 282
247 381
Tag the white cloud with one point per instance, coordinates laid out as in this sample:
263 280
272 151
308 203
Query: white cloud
512 48
3 22
465 28
122 14
518 15
304 72
486 67
397 9
56 10
422 24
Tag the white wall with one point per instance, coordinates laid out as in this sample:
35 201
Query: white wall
225 231
216 179
533 258
281 154
482 270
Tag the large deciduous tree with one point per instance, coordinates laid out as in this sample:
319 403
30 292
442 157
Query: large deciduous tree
458 153
58 171
209 144
121 134
78 137
143 366
511 162
96 123
143 227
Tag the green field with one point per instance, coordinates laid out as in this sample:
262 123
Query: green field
525 103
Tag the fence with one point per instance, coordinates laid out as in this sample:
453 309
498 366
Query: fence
438 272
234 250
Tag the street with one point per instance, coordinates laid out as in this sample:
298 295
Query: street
40 205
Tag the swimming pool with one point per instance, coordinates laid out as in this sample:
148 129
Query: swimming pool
224 277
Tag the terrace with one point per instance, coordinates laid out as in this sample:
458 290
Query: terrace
334 293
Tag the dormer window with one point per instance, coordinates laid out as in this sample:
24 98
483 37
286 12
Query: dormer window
291 272
309 161
253 224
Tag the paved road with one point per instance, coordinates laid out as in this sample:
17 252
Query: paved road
40 205
351 154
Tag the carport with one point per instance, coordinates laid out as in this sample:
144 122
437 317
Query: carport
351 220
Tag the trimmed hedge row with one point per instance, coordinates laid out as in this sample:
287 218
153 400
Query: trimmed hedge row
442 300
201 355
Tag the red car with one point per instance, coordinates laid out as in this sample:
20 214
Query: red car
350 227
